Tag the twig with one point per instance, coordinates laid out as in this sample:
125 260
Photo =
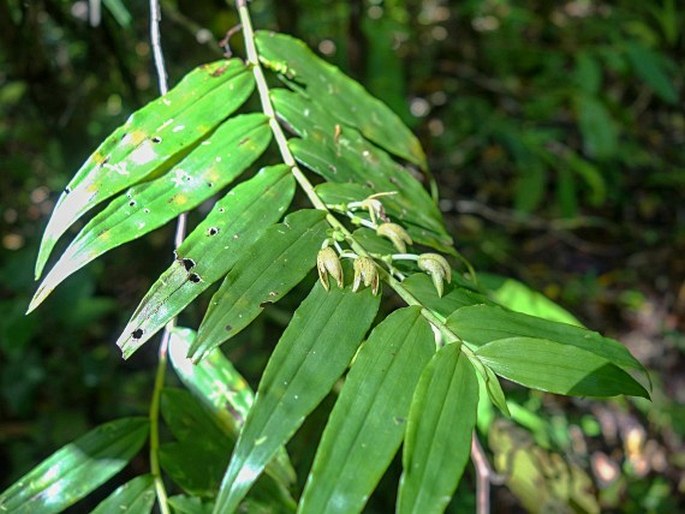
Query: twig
225 42
485 476
155 469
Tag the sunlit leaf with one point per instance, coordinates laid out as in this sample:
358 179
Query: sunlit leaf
482 324
147 206
313 352
542 481
151 138
520 298
276 263
350 101
438 440
346 156
454 297
367 424
557 368
209 251
182 504
136 496
76 469
222 389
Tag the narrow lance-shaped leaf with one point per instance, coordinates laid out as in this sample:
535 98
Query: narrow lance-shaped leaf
438 440
222 389
347 157
151 138
147 206
76 469
557 368
352 103
136 496
195 461
482 324
367 424
276 263
209 251
313 352
455 296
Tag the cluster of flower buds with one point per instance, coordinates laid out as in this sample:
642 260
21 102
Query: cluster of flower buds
365 268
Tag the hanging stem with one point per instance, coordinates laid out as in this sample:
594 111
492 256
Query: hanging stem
155 469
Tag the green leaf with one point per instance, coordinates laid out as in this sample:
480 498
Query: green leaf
353 105
136 496
182 504
482 324
209 251
557 368
347 157
649 66
520 298
438 441
367 424
195 463
454 297
221 388
276 263
76 469
213 165
600 133
313 352
151 138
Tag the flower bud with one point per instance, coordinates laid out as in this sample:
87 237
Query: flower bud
437 267
327 261
375 208
365 272
396 234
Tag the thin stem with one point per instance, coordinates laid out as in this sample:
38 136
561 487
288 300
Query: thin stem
485 476
155 469
308 188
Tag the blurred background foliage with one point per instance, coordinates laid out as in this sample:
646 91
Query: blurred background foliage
555 131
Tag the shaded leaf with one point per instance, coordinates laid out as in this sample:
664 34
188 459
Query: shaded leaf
276 263
150 138
221 388
136 496
209 251
482 324
600 133
649 66
438 440
367 424
557 368
194 463
76 469
313 352
348 157
147 206
352 103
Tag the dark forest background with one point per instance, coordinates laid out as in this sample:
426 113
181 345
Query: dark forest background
555 131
